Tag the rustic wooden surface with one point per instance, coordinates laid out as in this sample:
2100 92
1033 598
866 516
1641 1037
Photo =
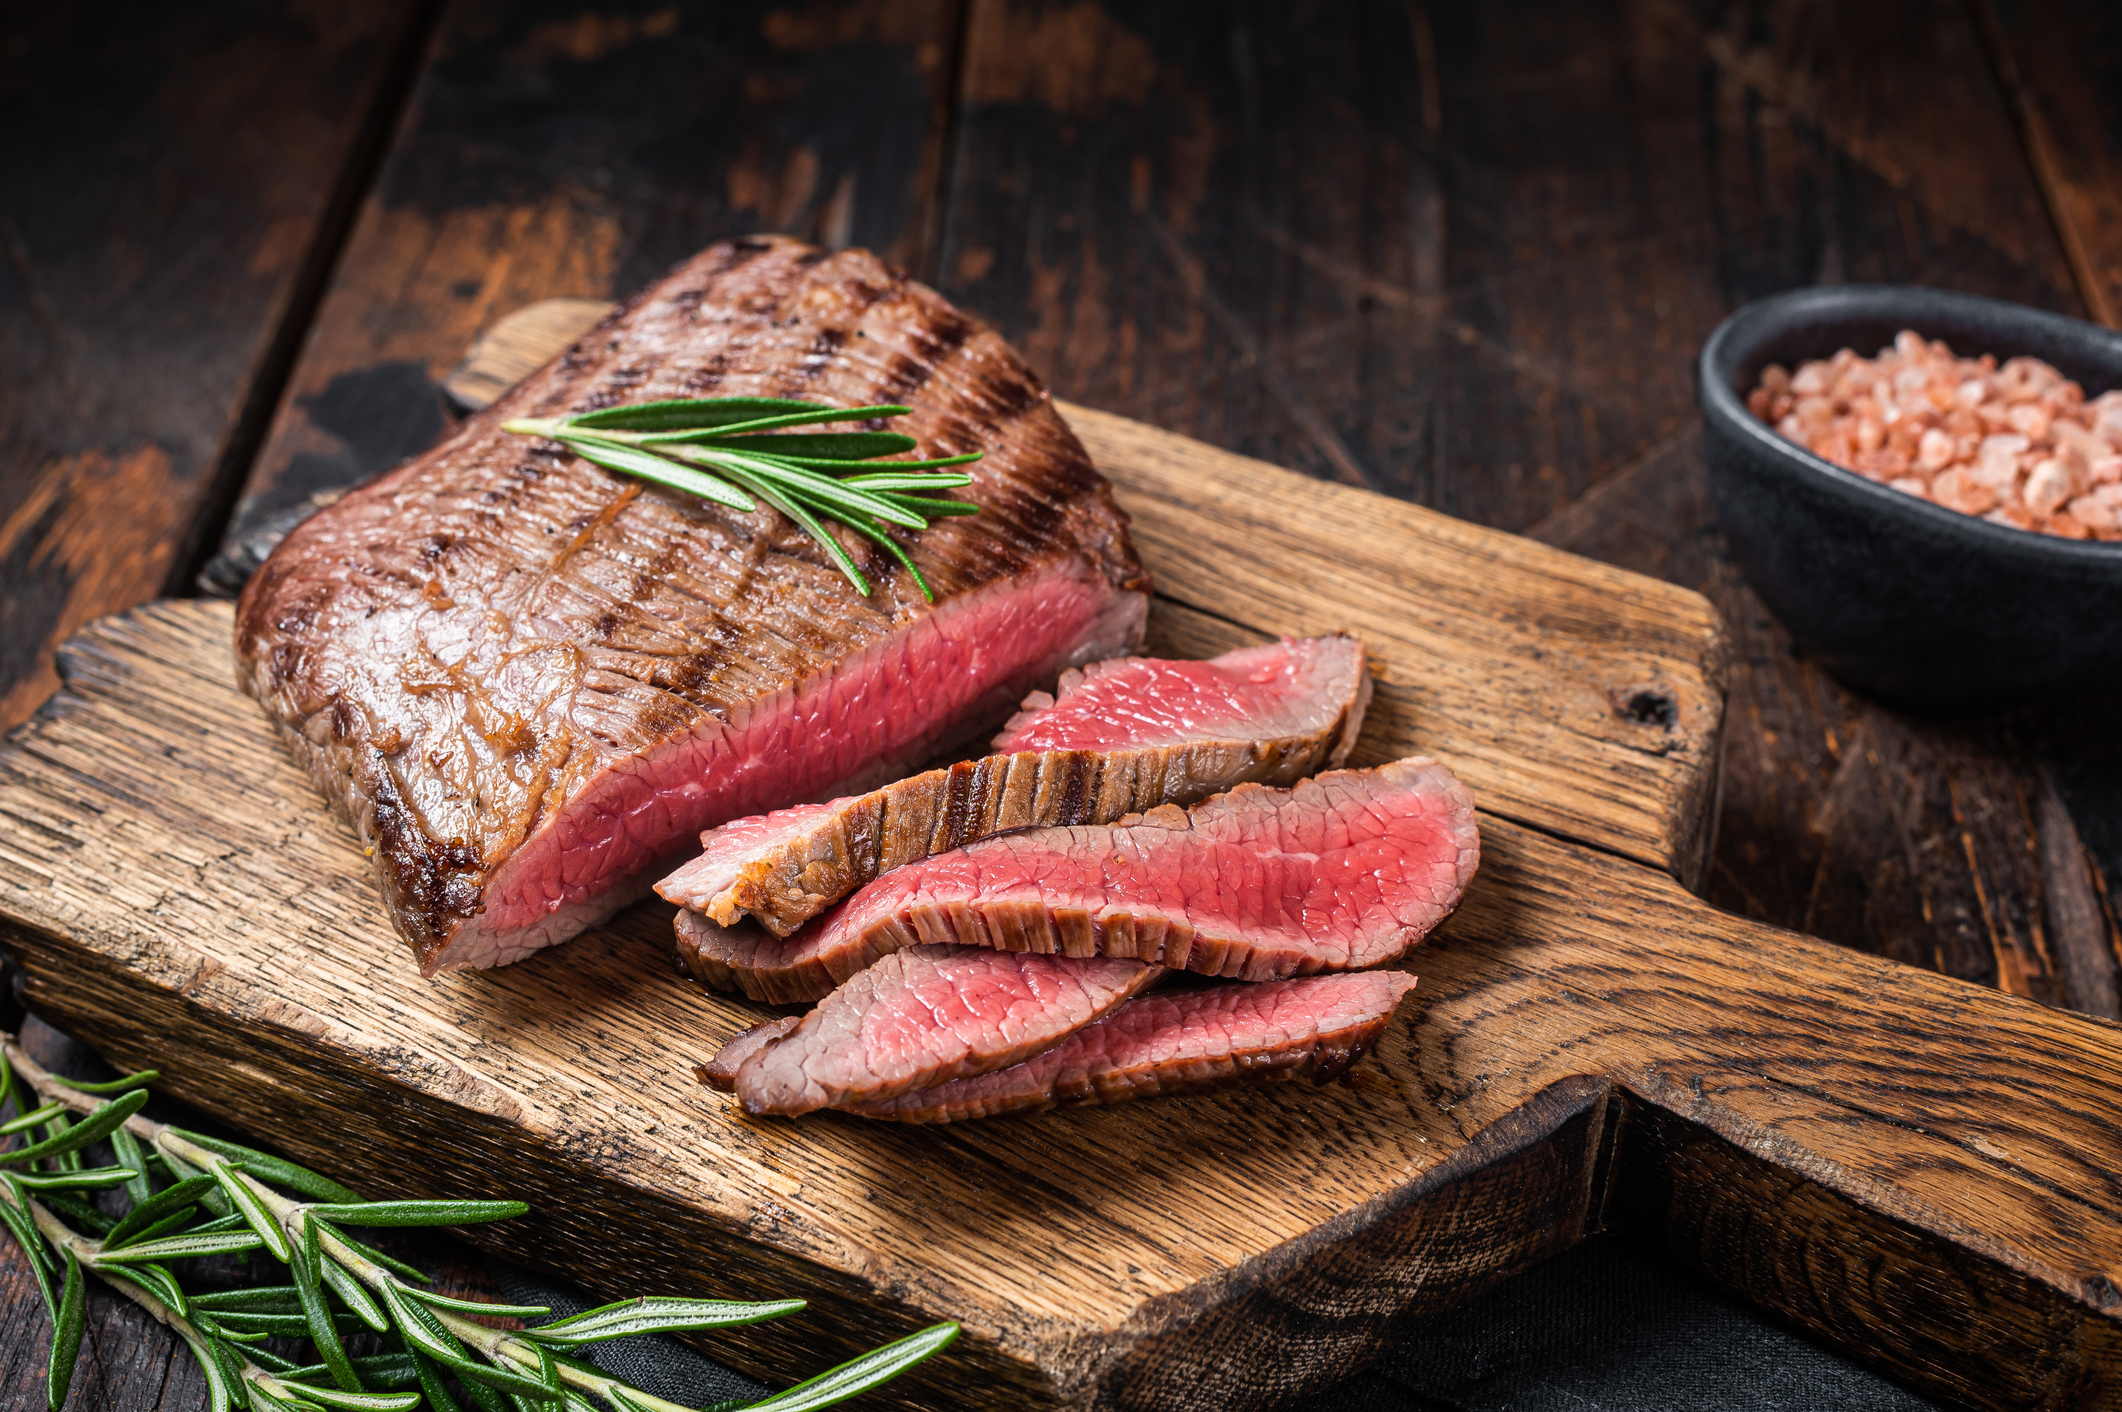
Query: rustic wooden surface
554 150
1536 211
171 176
1918 1169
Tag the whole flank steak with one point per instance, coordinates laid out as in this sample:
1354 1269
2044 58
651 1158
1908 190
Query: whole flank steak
1122 737
530 683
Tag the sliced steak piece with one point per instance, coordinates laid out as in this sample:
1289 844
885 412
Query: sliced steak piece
1342 872
720 1072
1225 1036
925 1016
1124 736
527 681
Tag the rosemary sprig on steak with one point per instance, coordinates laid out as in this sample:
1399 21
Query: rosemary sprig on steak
730 449
192 1197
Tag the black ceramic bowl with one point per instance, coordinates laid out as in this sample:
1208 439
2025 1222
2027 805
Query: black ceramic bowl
1905 600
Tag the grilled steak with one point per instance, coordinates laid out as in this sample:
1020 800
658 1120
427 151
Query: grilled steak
923 1016
527 681
1343 872
1123 737
1224 1036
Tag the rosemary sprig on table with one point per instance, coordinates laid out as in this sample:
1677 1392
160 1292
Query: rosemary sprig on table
224 1199
731 449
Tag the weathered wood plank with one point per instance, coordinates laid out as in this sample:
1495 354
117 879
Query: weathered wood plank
552 151
167 197
2060 64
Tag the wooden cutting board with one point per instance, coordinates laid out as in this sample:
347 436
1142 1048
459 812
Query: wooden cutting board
1921 1171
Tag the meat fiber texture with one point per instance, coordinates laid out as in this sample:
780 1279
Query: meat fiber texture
1217 1037
528 682
1344 871
1119 738
920 1017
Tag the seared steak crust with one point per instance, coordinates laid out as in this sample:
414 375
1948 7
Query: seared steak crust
1301 707
526 681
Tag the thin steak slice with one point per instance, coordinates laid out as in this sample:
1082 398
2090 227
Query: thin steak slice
1123 736
1225 1036
1342 872
527 681
924 1016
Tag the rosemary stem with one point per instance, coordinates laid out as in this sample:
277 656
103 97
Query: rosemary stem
88 1252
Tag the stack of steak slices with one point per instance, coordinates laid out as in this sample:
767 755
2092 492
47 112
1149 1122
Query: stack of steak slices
1005 974
1120 737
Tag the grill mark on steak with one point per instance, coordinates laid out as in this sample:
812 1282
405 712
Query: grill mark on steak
764 627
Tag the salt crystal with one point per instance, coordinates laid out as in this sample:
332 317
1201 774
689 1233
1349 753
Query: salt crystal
2048 485
1810 380
1935 451
1909 485
2104 470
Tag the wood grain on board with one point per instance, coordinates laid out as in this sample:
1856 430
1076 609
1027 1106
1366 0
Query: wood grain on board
1920 1170
169 188
556 150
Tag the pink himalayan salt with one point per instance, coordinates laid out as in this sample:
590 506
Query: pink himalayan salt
2018 444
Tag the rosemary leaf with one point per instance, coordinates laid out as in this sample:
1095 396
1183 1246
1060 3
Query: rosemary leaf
688 412
432 1388
813 414
35 1118
358 1401
370 1253
218 1397
87 1179
252 1210
94 1128
354 1297
273 1299
41 1260
860 1374
829 447
184 1247
67 1324
156 1281
76 1210
127 1148
171 1200
276 1170
130 1081
473 1306
653 1315
419 1213
322 1331
614 457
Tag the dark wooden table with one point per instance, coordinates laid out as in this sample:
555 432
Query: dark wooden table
1460 254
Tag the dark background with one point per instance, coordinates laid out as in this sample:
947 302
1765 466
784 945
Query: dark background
1458 253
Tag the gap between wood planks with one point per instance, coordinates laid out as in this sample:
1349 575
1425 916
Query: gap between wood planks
2039 147
407 58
